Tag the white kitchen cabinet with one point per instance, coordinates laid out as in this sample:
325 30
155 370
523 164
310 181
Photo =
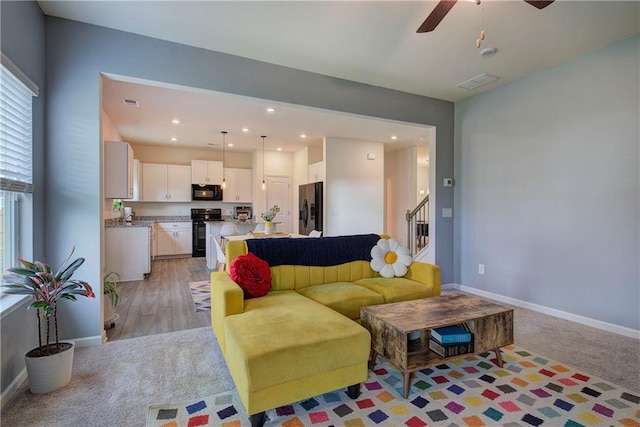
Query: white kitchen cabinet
173 238
166 183
137 181
238 186
128 251
206 172
154 240
118 170
316 172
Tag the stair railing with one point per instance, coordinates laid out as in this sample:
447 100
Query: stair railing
418 226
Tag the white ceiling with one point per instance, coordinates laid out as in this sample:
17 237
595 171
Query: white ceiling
373 42
204 114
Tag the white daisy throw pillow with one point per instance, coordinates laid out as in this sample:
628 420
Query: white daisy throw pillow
389 258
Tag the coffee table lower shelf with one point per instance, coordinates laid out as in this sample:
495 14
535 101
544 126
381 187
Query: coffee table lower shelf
418 362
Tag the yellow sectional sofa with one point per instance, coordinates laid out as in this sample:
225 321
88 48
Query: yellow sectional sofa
303 338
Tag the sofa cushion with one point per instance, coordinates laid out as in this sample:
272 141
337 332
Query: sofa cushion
396 289
285 336
343 297
288 277
252 274
317 252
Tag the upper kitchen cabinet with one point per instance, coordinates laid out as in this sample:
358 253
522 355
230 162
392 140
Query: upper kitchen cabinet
118 170
238 186
137 181
206 172
316 172
166 183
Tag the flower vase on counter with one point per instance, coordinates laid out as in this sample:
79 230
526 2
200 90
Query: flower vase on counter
268 216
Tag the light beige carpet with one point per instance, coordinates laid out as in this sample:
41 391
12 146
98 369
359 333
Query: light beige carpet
114 384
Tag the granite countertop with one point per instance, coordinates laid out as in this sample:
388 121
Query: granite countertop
148 221
145 221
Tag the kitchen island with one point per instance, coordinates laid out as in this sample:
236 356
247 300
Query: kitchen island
213 232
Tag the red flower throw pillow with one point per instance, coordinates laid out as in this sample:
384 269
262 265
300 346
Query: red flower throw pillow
252 274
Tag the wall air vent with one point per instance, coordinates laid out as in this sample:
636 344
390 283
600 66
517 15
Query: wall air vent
478 81
130 102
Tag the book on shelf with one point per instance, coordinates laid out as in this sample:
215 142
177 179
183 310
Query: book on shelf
451 334
449 350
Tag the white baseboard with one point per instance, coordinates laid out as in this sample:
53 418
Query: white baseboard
88 341
594 323
8 393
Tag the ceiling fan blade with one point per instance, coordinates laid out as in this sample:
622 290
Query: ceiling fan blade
539 4
436 15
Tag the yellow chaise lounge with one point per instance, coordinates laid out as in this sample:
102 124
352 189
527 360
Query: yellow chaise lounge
303 338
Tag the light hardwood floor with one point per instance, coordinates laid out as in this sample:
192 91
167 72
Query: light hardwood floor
162 302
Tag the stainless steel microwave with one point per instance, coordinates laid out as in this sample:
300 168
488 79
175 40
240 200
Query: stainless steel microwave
206 192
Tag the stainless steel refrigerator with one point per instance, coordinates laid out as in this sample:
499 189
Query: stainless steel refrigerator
310 209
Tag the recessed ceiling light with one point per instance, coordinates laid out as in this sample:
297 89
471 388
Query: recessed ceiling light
245 129
303 135
279 148
230 144
394 137
175 121
270 110
174 139
422 138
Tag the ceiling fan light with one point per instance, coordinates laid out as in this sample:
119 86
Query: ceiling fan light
488 52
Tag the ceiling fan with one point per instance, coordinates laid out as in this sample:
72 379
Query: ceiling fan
444 6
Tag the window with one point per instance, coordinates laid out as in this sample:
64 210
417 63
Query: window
16 158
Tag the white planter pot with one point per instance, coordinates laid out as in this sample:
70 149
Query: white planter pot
50 373
109 314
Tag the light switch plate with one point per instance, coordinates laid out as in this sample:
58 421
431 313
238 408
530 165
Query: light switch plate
447 212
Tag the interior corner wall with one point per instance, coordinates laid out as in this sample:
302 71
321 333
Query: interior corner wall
548 187
354 187
400 184
22 40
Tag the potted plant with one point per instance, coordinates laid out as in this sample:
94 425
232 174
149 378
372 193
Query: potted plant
268 216
49 365
112 296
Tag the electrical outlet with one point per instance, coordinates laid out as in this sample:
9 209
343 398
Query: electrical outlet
480 268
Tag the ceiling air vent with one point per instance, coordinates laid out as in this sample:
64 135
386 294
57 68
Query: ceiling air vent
478 81
130 102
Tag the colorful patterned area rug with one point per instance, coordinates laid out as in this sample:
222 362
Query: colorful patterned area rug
529 390
201 295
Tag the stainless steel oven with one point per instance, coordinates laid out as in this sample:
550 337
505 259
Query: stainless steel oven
199 237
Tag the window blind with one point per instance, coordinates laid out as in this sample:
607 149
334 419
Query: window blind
16 139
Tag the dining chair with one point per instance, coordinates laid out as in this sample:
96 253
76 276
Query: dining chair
220 257
315 233
259 228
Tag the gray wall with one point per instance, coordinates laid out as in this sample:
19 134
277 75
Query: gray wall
22 40
547 187
77 53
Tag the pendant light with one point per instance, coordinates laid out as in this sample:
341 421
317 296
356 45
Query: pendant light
264 184
224 179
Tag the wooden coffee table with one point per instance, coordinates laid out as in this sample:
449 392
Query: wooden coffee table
390 325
